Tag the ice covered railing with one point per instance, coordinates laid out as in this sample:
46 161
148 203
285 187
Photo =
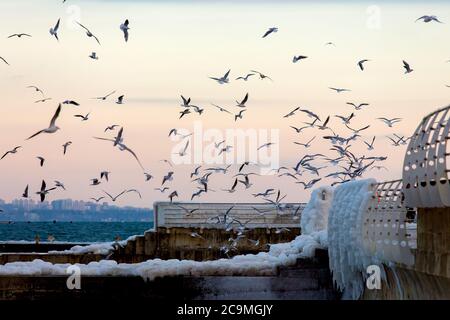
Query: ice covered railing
367 225
425 168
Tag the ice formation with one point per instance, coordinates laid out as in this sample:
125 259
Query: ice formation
348 260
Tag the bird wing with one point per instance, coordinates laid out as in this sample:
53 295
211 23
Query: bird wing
55 116
4 60
34 135
245 99
134 155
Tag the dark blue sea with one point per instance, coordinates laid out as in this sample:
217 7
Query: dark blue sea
80 232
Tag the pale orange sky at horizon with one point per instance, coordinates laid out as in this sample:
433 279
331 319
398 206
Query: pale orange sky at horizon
173 49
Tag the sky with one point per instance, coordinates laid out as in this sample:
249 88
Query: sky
173 49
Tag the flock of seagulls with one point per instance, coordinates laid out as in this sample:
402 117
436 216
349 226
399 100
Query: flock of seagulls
348 165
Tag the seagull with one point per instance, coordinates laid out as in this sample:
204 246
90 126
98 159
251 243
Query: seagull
242 103
124 27
407 67
290 114
265 145
43 192
361 63
173 195
114 126
299 130
3 59
120 99
162 190
370 145
189 212
95 182
311 114
83 118
264 194
88 33
198 193
98 199
427 19
93 56
195 172
359 130
184 112
13 151
339 90
239 115
59 184
223 79
186 102
233 187
118 141
25 193
390 122
245 78
72 102
148 176
41 161
105 174
269 31
221 109
19 35
135 191
168 177
310 184
359 106
246 182
54 31
105 97
37 90
307 144
65 146
42 100
261 75
330 44
183 152
295 59
116 197
324 125
345 120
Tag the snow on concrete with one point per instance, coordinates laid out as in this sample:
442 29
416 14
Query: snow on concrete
264 263
348 260
102 248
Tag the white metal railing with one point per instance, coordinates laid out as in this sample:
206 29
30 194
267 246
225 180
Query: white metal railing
425 169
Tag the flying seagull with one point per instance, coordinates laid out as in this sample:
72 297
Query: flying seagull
221 109
112 127
19 35
104 174
339 90
370 146
245 78
97 199
390 122
3 59
41 161
243 102
93 56
88 32
357 106
261 75
295 59
13 151
427 19
361 63
42 100
407 67
65 146
120 99
172 195
124 27
71 102
269 31
239 115
59 184
25 192
37 90
54 31
116 197
223 79
52 128
43 192
83 118
105 97
290 114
